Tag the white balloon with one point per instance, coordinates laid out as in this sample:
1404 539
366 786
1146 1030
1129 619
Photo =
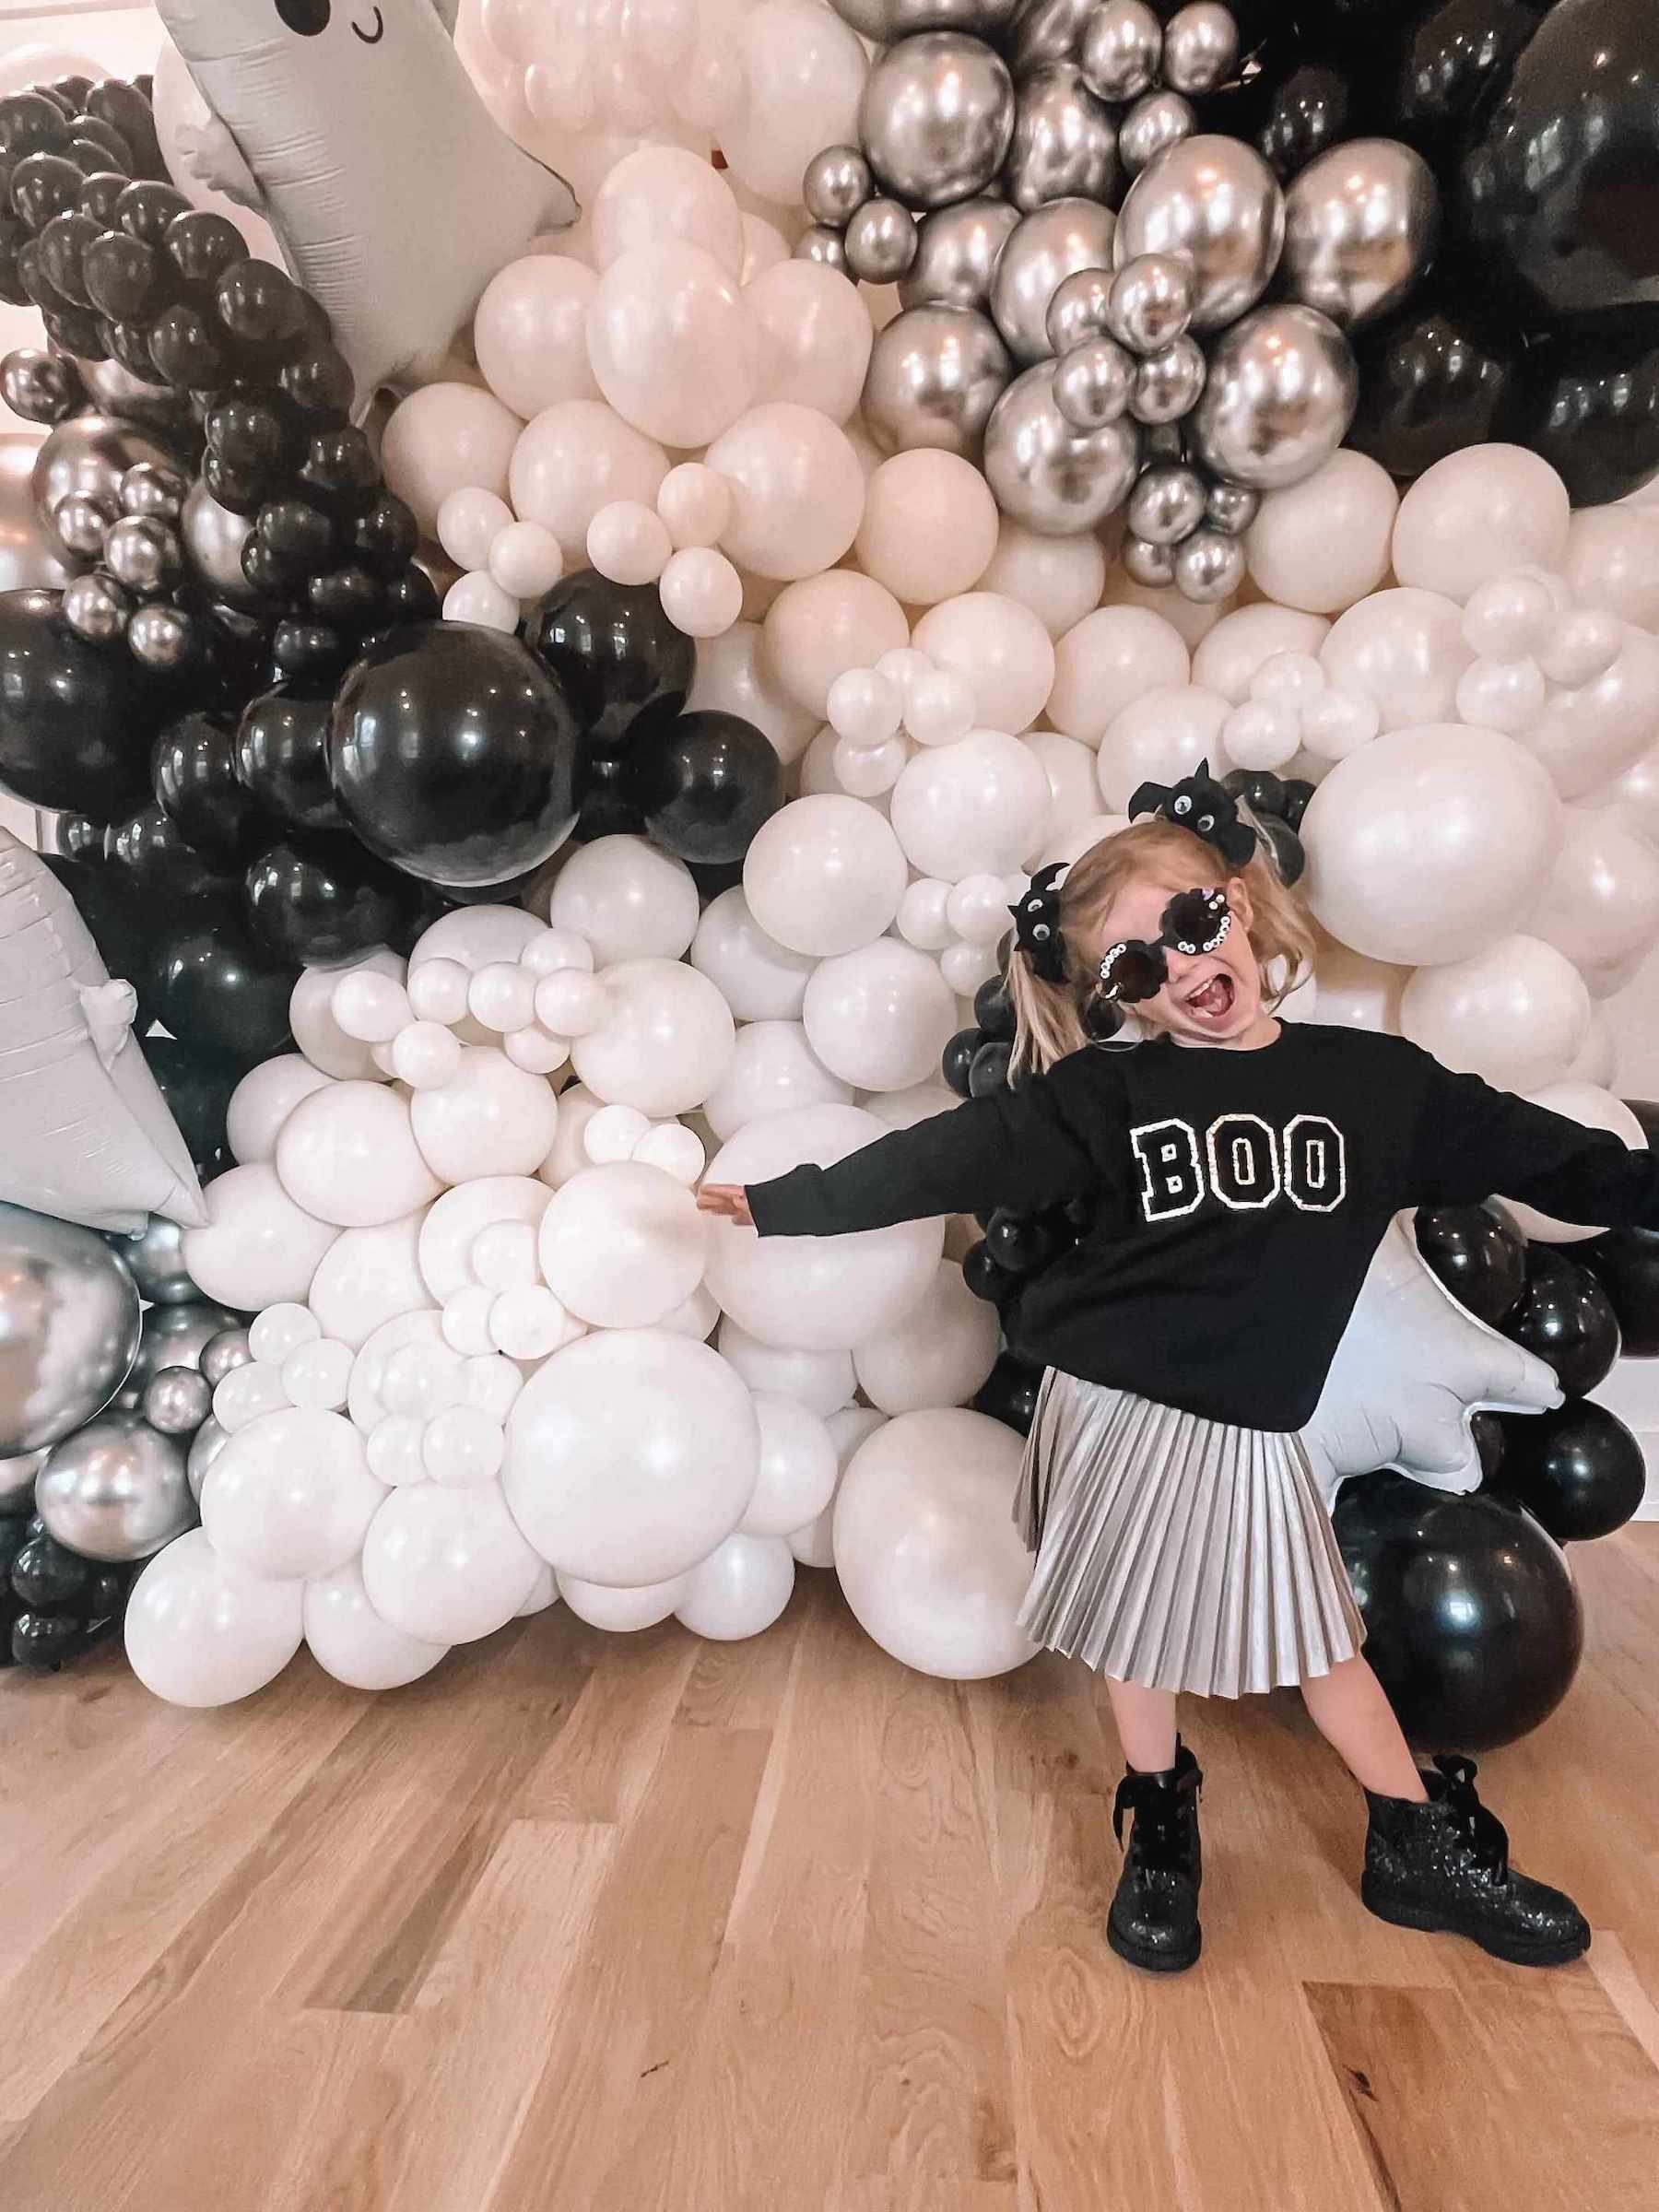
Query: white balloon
630 1456
543 1591
1072 843
659 193
1601 904
694 505
1593 1109
623 1246
470 938
450 1227
1354 992
813 336
1429 843
1477 513
1324 543
938 1354
258 1247
530 333
820 1293
490 1119
701 592
798 1468
525 560
1515 1013
819 628
318 1034
665 1043
1228 657
824 876
671 344
261 1102
447 438
349 1640
347 1155
621 1611
773 1070
574 458
904 1108
247 1394
1584 737
1192 620
282 1329
821 1381
201 1631
319 1375
739 1590
929 527
1000 648
568 1156
1164 735
879 1017
447 1565
797 490
760 979
1108 660
627 899
814 1545
1502 695
926 1548
733 678
462 1445
1060 579
1613 561
1580 645
803 70
469 521
1598 1058
628 543
972 808
764 246
1404 649
423 1329
290 1495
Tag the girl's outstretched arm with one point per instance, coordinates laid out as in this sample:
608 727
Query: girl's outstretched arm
1475 1143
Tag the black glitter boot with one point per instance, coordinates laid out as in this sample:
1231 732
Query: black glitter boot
1154 1918
1444 1865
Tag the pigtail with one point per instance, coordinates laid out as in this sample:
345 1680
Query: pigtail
1048 1019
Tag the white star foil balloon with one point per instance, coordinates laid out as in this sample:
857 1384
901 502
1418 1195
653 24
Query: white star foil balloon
1412 1369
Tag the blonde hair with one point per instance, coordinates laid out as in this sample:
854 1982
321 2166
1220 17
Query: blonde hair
1050 1017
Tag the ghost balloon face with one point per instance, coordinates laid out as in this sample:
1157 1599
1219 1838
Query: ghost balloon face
396 196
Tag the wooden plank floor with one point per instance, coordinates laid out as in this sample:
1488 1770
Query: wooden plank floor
641 1924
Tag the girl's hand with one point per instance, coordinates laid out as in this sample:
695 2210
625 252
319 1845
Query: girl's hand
727 1200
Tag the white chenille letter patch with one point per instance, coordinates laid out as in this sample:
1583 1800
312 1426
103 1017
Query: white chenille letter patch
1315 1164
1171 1178
1243 1162
1250 1164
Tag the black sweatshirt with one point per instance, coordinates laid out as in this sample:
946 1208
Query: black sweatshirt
1241 1196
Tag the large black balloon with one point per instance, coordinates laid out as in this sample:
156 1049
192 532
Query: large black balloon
76 719
1586 398
455 754
282 755
1567 1317
615 653
194 769
1558 190
1454 62
704 784
1577 1468
318 901
219 990
1625 1262
1432 379
1476 1255
1474 1627
197 1087
162 869
120 920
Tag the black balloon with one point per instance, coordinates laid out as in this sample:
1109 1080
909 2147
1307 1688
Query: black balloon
218 988
1476 1255
1306 112
956 1062
615 653
989 1069
704 784
1565 1317
1281 840
607 805
993 1010
984 1278
1020 1243
1474 1627
1009 1392
316 900
1625 1262
194 769
1432 379
1577 1469
1586 397
46 1572
1454 62
1558 190
282 756
46 1641
119 918
76 719
455 753
197 1087
149 852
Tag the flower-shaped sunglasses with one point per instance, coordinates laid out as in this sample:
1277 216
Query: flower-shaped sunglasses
1194 922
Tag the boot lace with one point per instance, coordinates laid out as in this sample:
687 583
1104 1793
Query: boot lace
1481 1831
1157 1839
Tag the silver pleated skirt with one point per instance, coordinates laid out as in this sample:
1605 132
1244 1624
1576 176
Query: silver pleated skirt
1177 1552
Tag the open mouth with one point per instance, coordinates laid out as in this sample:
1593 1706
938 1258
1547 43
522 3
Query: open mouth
1212 1001
372 38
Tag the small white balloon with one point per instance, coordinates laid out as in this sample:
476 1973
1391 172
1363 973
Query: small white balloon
965 967
466 1320
701 592
1580 645
694 505
462 1445
976 911
1502 695
1262 733
923 918
798 1468
469 521
1509 617
536 1050
246 1395
369 1006
623 1611
503 1255
491 1384
420 1380
613 1133
628 543
282 1329
938 707
317 1033
395 1453
739 1590
349 1640
501 996
426 1054
262 1100
864 707
822 1380
477 598
530 1322
490 1119
319 1374
1335 724
677 1151
570 1003
525 560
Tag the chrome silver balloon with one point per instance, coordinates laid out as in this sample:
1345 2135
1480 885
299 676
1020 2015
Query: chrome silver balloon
214 538
1148 565
158 492
207 1445
1078 311
1055 479
1157 122
17 1482
836 185
936 118
220 1354
161 637
96 608
116 391
1215 202
1150 302
821 245
1049 30
1167 503
155 1260
1166 383
79 524
1121 45
68 1328
1360 225
956 254
1064 141
173 1337
1162 442
1208 566
881 241
1231 508
116 1491
29 555
1281 394
934 375
177 1401
1200 46
142 554
1093 383
885 20
89 454
1045 248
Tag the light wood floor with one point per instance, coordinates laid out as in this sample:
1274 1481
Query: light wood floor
647 1925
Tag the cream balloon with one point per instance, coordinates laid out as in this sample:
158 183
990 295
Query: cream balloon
1353 992
1060 579
202 1632
671 344
629 901
1613 562
818 629
530 333
938 1354
813 1546
291 1496
447 1564
1404 649
258 1247
349 1640
760 979
1228 656
623 1246
663 194
879 1017
797 1471
1479 514
262 1101
447 438
368 1277
929 526
622 1612
1586 736
1323 543
666 1044
774 1069
347 1155
490 1119
824 876
999 648
574 458
451 1229
1601 903
1516 1013
739 1590
1110 658
821 1381
733 678
803 70
319 1035
1593 1109
797 490
970 808
813 336
1074 795
1164 735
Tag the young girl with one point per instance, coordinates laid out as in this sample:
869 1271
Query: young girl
1245 1170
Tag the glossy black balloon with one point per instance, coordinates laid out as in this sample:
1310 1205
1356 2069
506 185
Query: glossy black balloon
1577 1469
43 185
993 1010
296 538
151 854
1478 1256
1625 1262
46 1572
1260 789
984 1278
197 1087
1473 1625
1288 856
1586 397
282 756
120 919
608 804
219 989
989 1069
260 306
704 784
1307 112
124 276
1298 791
1565 1316
956 1062
308 651
46 1641
202 246
317 900
339 473
1020 1243
1454 63
1433 378
30 123
384 536
615 653
148 209
1009 1392
76 719
455 754
186 350
193 775
1558 189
